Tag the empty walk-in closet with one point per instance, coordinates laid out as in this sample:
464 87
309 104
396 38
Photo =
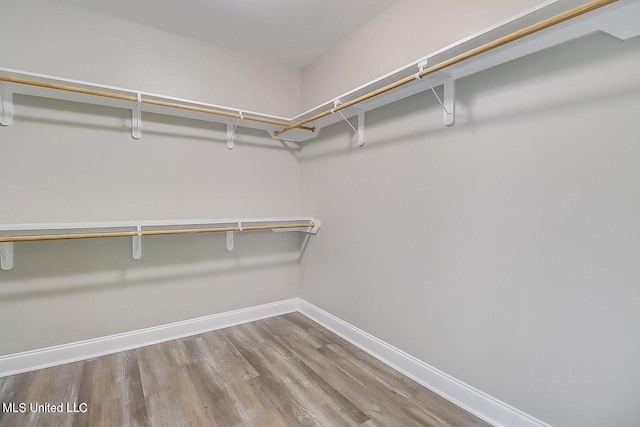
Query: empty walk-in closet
320 213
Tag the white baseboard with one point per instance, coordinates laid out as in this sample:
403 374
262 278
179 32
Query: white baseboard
478 403
83 350
474 401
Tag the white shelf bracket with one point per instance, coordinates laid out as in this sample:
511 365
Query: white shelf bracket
231 235
136 118
6 255
308 232
6 104
360 131
231 131
303 245
137 244
361 128
449 104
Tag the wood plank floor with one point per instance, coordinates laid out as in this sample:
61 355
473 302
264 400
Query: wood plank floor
282 371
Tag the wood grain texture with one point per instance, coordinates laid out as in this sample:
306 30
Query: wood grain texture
145 100
281 371
103 234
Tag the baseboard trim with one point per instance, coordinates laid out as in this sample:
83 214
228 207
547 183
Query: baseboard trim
467 397
83 350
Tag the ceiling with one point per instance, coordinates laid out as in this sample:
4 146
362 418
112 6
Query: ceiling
288 32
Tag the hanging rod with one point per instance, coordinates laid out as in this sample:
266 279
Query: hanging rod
516 35
144 100
137 229
32 238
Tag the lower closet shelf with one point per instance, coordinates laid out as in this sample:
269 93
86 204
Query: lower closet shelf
13 233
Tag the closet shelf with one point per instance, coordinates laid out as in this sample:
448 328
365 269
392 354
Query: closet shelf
539 28
620 19
41 85
12 233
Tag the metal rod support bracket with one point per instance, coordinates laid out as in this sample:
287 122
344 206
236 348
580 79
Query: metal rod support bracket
6 255
136 118
231 235
449 106
360 131
6 104
137 244
449 103
231 131
361 128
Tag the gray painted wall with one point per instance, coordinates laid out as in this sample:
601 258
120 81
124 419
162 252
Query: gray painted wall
49 37
503 251
405 32
65 162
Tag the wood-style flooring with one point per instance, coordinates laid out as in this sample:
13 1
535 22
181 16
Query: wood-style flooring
282 371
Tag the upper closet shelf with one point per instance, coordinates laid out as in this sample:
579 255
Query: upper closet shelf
34 84
542 27
550 24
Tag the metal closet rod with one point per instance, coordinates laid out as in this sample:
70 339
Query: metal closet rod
144 100
32 238
527 31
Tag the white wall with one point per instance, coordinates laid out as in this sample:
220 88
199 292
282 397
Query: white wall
69 162
503 251
54 38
